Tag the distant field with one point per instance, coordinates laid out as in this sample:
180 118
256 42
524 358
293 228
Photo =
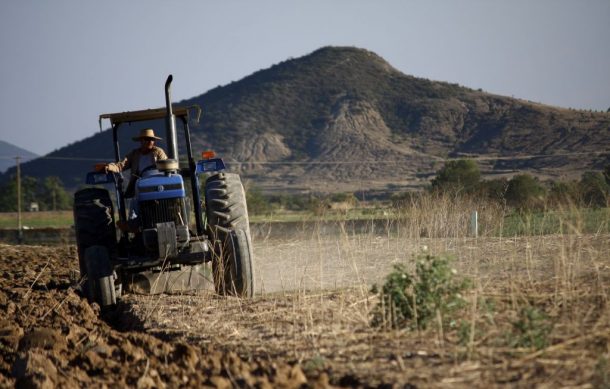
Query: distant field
511 224
64 219
56 219
557 222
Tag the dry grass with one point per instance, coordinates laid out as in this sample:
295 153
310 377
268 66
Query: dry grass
315 305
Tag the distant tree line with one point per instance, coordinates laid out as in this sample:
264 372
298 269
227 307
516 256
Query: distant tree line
523 191
316 203
457 178
49 193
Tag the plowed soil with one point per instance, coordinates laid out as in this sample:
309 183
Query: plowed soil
310 326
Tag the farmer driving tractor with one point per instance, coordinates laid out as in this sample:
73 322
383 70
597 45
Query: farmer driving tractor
137 160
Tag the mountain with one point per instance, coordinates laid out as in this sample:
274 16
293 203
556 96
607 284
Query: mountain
342 119
8 152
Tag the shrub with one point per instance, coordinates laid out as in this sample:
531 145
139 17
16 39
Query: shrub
292 202
319 205
594 189
348 198
413 300
258 204
563 193
457 176
531 329
494 190
525 192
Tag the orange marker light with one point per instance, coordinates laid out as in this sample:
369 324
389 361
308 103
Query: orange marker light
209 154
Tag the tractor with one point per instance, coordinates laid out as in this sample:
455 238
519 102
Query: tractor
162 238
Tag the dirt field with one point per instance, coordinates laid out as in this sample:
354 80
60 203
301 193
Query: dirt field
311 322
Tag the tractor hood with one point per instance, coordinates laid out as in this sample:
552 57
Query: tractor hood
160 186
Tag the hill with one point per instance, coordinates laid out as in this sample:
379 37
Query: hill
8 152
343 118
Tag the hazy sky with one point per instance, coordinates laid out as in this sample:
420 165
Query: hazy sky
63 62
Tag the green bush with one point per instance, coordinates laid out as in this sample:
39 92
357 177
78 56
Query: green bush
525 193
343 197
319 205
461 176
563 193
531 329
494 190
594 189
258 204
414 300
292 202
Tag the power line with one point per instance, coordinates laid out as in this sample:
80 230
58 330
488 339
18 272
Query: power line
58 158
356 162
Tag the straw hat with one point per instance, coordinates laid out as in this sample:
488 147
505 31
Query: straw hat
146 133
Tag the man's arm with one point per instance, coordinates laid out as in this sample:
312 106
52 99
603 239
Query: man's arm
160 154
125 164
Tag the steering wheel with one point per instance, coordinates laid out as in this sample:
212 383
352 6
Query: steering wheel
151 167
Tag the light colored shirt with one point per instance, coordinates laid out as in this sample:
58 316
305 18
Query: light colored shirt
146 161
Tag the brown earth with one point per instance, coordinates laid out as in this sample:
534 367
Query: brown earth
305 330
50 336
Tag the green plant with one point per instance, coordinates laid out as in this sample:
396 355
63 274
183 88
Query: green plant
494 190
316 363
525 193
463 331
457 176
562 194
531 329
595 190
413 300
258 204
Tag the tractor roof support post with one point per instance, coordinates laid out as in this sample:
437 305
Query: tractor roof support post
119 184
194 178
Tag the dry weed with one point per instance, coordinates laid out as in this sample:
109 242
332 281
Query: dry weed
314 305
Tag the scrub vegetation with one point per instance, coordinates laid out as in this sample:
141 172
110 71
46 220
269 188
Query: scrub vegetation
449 309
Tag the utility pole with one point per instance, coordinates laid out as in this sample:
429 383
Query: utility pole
54 195
20 231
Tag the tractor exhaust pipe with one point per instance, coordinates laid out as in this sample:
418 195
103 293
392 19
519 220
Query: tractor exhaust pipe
170 122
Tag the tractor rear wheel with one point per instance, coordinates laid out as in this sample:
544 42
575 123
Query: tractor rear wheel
100 277
228 226
93 222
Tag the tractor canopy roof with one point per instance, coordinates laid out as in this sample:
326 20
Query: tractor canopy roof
150 114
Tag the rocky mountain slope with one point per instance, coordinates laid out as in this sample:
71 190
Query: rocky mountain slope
344 119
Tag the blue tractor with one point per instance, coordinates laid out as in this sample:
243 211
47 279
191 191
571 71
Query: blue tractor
163 237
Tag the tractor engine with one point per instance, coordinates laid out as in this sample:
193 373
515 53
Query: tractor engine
162 210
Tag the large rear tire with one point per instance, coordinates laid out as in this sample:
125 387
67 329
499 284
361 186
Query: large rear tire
232 264
100 277
93 222
228 226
